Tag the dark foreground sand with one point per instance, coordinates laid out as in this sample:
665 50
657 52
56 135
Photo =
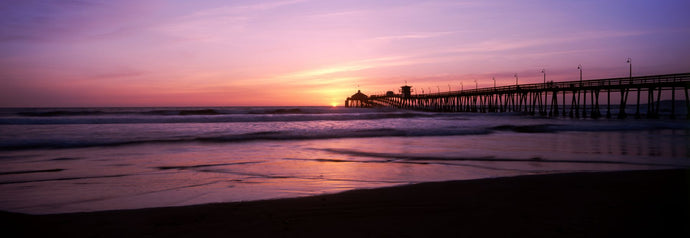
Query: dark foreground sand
638 203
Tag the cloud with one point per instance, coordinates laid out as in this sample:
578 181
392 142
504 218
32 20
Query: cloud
415 35
205 29
124 73
337 14
235 10
56 21
352 67
507 44
219 23
269 5
482 49
245 10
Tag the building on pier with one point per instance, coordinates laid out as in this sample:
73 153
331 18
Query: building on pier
358 99
406 91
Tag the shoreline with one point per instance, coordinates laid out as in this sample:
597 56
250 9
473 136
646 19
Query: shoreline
636 203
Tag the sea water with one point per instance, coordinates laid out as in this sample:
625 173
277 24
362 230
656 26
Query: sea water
58 160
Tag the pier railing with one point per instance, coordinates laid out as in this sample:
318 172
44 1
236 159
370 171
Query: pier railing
668 80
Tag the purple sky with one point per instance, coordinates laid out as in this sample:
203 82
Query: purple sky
308 52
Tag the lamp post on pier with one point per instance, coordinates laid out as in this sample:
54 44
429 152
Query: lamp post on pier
629 61
543 71
494 79
516 79
637 108
624 91
579 67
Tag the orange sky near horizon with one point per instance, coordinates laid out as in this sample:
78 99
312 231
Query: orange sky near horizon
316 53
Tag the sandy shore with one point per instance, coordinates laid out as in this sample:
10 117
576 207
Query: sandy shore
636 203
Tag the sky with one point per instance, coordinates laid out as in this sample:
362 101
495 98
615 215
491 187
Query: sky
88 53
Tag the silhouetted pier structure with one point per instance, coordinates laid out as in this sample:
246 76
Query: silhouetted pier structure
581 98
358 100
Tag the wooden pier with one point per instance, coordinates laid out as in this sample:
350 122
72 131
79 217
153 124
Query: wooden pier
582 98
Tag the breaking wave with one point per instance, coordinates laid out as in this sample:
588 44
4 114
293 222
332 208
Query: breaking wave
209 115
229 138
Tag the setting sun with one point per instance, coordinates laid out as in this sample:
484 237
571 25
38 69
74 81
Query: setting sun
333 104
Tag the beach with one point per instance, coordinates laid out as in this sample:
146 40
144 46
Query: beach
650 203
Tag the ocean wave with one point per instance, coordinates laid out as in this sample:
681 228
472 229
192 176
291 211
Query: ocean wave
22 144
175 111
539 128
591 126
62 179
195 116
282 111
30 171
60 113
86 139
196 112
424 157
197 166
123 112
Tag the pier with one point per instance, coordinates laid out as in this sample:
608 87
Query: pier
581 98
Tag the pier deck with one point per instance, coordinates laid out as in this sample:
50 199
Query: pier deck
570 98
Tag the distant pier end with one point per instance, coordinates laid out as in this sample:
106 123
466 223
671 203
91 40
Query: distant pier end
358 99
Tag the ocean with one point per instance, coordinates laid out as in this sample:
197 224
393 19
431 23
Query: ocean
60 160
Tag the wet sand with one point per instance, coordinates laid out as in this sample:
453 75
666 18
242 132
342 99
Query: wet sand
633 203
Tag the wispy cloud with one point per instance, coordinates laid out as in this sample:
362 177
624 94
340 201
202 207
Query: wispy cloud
269 5
338 14
241 9
497 45
205 29
59 21
221 22
352 66
415 35
123 73
484 48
